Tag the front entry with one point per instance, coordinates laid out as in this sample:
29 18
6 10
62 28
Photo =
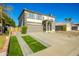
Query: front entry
47 25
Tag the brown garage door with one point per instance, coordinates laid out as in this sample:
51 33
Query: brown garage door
35 28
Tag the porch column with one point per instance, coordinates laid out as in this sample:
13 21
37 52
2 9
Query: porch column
49 27
46 26
53 26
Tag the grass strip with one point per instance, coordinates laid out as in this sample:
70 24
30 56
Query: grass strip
33 44
14 48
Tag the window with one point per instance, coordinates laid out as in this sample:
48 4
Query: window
39 17
35 16
31 15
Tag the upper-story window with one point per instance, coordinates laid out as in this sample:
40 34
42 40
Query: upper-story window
39 17
31 15
35 16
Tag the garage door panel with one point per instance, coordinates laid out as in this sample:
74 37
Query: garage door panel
35 28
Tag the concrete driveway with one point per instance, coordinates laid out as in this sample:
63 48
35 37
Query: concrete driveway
61 43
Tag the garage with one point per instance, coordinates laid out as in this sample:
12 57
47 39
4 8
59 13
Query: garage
34 28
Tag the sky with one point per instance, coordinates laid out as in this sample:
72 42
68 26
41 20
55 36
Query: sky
59 10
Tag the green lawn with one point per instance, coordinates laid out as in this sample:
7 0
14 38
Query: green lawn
1 42
33 44
14 48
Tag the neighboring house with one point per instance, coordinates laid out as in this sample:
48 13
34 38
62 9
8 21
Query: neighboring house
36 22
75 26
60 27
66 27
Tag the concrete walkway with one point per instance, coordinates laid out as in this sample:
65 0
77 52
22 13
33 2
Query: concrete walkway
62 43
24 46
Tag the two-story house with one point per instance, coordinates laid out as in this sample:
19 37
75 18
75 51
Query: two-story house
36 22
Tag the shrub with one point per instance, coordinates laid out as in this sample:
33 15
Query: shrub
24 30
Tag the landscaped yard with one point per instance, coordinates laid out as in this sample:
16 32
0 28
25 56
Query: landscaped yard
14 48
33 44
